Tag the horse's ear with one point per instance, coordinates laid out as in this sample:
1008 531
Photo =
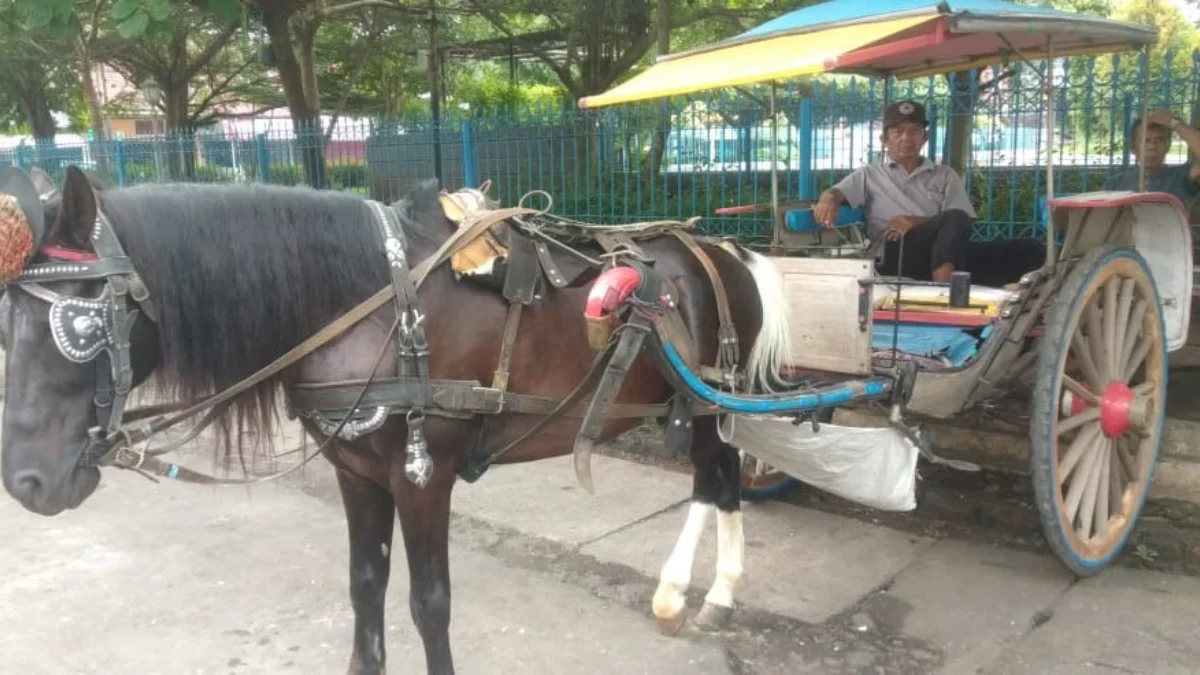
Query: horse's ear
43 182
486 187
77 214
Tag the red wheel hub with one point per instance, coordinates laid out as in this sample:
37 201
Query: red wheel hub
1115 407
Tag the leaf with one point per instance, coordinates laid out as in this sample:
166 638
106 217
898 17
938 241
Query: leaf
135 25
122 9
225 10
39 16
160 10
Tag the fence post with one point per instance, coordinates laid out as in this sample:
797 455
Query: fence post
468 156
1127 126
933 132
20 156
806 149
264 158
120 159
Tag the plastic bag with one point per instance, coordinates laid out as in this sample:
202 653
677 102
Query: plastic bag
875 467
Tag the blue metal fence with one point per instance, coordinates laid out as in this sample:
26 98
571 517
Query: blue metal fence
691 156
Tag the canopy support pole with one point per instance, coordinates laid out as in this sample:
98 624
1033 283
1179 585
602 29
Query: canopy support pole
1145 111
775 224
1050 123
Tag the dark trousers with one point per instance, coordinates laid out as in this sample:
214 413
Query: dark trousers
946 238
941 239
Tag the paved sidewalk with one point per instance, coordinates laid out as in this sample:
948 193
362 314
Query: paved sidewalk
547 579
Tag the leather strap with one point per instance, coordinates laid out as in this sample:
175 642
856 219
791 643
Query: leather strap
728 354
511 323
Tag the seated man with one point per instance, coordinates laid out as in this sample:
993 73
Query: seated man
1181 180
924 203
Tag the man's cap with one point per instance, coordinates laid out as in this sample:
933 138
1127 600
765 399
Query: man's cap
904 111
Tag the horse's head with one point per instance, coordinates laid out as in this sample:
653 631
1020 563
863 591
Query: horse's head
70 324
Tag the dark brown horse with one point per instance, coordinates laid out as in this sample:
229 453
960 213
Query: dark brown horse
238 275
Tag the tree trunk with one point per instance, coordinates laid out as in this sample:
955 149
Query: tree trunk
305 116
662 131
99 122
32 93
179 137
957 152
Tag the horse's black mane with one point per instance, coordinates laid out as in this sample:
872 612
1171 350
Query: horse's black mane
242 273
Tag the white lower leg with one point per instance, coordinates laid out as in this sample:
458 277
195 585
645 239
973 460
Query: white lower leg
669 599
730 551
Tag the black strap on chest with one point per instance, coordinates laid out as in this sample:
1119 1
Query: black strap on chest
411 344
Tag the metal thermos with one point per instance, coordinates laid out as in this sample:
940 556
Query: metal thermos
960 289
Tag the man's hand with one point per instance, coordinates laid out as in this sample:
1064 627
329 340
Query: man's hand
1161 117
899 226
827 207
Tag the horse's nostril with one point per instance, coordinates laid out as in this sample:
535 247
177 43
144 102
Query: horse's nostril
27 485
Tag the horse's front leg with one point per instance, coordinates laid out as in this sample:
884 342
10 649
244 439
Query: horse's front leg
716 486
425 525
370 516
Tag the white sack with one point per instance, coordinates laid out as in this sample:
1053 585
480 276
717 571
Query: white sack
875 467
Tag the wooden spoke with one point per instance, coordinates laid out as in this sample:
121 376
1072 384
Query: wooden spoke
1095 341
1132 329
1090 372
1079 390
1083 440
1103 483
1091 484
1144 388
1082 479
1076 421
1109 322
1124 305
1116 486
1127 454
1135 361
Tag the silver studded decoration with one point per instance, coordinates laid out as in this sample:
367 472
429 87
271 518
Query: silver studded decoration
418 465
353 429
79 328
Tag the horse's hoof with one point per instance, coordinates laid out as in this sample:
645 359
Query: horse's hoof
670 626
713 617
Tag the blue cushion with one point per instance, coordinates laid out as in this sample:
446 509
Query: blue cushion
802 220
1041 213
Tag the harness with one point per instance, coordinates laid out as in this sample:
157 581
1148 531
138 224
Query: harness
98 329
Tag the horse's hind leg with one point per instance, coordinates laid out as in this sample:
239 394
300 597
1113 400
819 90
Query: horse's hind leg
370 516
716 485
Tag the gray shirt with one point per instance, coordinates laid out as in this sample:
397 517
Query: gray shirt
888 191
1174 179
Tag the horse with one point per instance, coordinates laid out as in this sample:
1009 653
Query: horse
236 275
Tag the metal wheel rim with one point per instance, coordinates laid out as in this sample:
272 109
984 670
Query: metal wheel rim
1099 481
756 473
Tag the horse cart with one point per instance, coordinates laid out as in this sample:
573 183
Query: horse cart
1080 343
462 345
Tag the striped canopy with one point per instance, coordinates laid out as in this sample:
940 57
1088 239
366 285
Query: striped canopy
897 38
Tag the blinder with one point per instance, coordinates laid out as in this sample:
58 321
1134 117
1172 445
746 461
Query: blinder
84 329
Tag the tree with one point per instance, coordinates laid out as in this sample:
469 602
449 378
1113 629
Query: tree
292 27
198 66
592 44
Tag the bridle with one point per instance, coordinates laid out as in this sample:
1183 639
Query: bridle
85 329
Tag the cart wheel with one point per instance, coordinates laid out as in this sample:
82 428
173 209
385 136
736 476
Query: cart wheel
761 482
1098 407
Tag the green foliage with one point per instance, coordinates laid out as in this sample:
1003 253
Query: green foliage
209 173
346 175
285 174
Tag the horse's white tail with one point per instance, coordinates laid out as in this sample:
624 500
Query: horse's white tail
773 345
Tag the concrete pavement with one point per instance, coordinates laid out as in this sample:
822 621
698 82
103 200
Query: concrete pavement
547 579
